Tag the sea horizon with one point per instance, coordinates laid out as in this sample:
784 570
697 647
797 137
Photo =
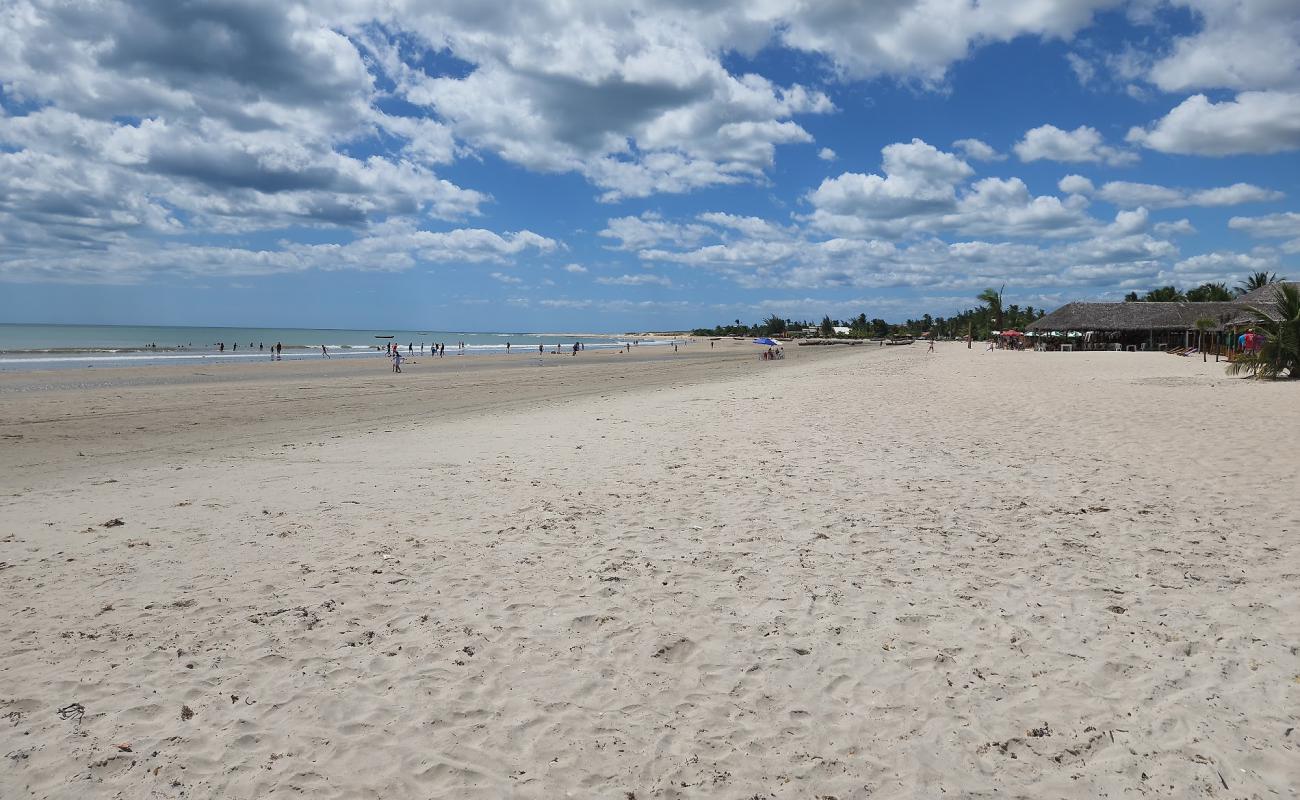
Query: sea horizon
58 345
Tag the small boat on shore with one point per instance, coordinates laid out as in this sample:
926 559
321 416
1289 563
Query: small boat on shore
892 342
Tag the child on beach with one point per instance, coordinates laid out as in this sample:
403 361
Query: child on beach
397 359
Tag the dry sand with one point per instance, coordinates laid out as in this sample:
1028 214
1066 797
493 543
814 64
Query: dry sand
856 572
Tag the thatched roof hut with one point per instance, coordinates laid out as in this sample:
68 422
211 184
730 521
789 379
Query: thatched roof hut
1261 298
1134 317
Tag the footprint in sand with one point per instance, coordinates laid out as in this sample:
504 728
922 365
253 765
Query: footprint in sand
676 652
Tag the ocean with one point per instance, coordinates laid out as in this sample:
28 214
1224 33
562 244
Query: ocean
52 346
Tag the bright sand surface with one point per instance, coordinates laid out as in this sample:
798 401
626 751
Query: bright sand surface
855 572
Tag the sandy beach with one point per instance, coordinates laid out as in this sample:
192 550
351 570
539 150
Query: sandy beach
856 572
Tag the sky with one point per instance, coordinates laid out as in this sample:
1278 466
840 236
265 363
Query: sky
613 166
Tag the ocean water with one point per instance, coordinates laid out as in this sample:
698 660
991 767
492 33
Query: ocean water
54 346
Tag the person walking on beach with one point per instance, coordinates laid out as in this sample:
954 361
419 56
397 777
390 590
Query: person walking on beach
397 359
324 352
278 349
931 350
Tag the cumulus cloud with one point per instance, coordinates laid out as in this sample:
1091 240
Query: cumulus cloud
976 150
1083 144
634 233
1226 266
1252 123
826 154
1075 184
1239 45
924 191
576 269
918 179
1180 227
394 246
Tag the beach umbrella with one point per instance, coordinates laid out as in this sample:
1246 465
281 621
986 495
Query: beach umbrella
766 341
1012 333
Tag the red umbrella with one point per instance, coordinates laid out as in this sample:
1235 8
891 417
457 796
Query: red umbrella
1012 333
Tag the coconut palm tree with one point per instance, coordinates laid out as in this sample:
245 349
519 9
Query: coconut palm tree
1203 326
993 300
1165 294
1280 327
1209 293
1257 280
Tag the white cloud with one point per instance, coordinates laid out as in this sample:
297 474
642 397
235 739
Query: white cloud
1234 195
504 278
576 269
394 246
1240 45
1075 184
636 280
976 150
826 154
919 179
754 227
1279 225
1128 223
916 40
1252 123
1129 195
1081 67
923 191
1181 227
1083 144
1228 267
635 233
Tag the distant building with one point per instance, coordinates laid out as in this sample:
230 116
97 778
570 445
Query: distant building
1147 326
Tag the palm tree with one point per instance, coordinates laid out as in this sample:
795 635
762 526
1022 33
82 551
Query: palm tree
1280 354
1257 280
1203 326
1209 293
1165 294
993 300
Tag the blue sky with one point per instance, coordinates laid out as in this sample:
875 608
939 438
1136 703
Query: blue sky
623 166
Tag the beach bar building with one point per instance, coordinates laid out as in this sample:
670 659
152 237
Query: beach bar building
1132 326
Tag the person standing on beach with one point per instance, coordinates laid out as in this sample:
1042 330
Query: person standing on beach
278 349
397 359
507 348
931 350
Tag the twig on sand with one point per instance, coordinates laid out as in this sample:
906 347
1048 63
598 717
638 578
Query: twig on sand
71 711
